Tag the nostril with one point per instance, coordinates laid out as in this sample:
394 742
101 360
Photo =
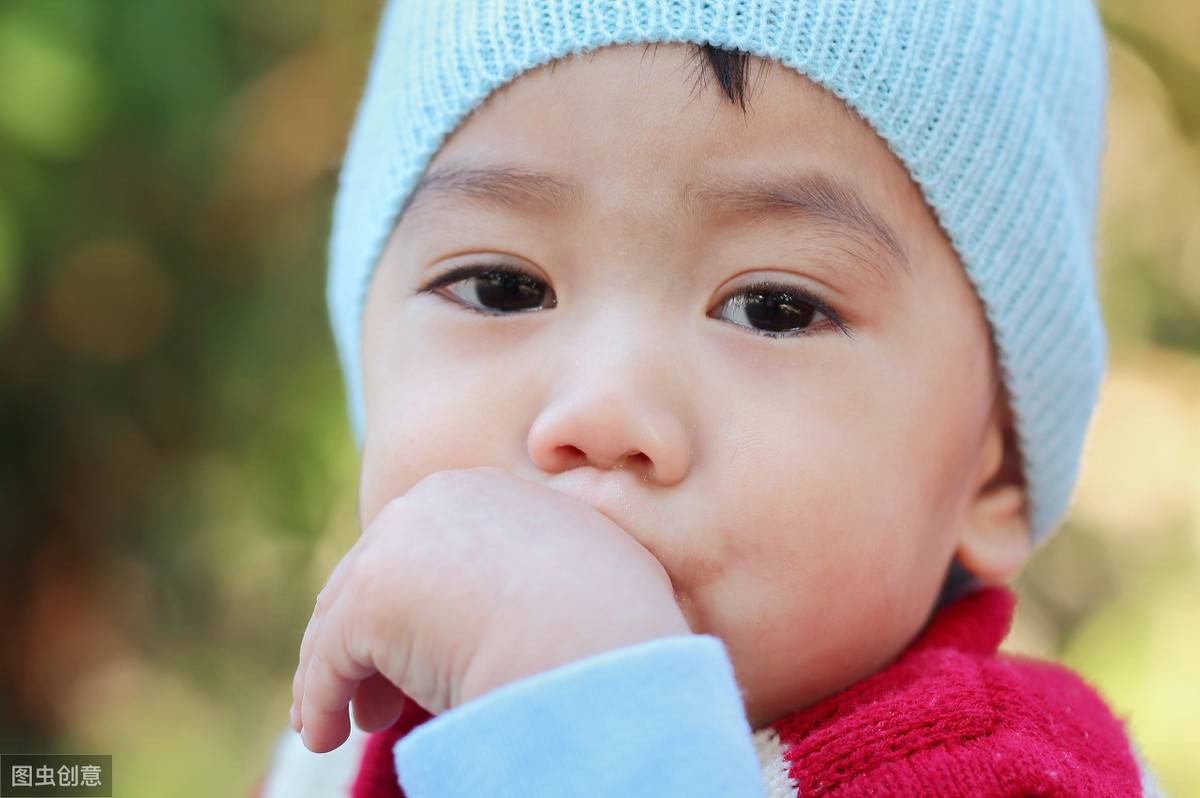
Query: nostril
637 460
571 455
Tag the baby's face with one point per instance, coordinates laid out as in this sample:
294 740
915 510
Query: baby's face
802 458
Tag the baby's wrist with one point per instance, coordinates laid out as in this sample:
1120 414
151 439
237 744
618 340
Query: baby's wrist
481 678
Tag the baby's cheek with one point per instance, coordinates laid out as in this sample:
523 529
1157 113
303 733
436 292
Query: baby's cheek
421 425
820 573
821 530
799 631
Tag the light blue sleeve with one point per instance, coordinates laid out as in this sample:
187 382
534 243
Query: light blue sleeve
660 718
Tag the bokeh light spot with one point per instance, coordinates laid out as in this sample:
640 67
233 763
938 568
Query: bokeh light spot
51 97
109 300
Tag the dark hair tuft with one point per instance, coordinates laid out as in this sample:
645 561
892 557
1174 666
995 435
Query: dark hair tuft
731 69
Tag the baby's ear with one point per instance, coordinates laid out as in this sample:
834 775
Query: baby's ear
995 539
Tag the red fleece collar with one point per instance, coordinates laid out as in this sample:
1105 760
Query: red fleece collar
950 716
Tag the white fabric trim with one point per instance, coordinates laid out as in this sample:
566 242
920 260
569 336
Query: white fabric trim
774 767
296 772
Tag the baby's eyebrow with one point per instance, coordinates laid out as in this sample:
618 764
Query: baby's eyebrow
769 198
510 187
757 198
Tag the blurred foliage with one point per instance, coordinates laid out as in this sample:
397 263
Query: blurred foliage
178 475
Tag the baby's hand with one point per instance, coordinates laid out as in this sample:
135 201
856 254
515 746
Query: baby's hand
472 579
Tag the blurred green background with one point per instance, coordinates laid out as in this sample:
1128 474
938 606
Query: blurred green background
178 472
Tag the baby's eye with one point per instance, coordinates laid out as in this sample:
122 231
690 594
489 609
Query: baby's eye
497 290
776 310
770 309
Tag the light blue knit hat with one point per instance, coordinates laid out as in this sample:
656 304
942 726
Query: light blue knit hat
995 107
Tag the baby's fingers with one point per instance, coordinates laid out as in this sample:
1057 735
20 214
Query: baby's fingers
325 599
330 680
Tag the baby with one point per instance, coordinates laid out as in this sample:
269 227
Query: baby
720 364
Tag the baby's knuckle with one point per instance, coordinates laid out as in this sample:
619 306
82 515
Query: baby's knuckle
370 586
368 633
361 578
324 596
355 638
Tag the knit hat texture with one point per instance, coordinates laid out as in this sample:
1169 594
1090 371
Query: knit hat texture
995 108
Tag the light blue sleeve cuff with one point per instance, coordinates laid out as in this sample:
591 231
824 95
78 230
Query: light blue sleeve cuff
654 719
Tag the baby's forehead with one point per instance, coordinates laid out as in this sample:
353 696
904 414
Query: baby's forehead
749 195
787 145
558 137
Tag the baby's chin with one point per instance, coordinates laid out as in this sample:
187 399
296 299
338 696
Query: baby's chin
788 681
761 714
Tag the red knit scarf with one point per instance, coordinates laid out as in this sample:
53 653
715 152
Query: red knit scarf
949 717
